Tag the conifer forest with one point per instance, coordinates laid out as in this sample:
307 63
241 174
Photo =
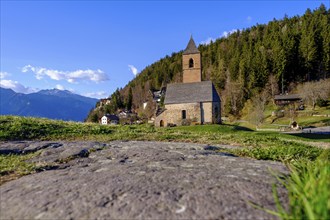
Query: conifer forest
274 57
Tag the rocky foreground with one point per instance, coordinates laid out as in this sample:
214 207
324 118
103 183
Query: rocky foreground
138 180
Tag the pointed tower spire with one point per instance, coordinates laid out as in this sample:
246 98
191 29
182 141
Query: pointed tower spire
191 47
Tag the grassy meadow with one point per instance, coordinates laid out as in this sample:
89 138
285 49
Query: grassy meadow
306 155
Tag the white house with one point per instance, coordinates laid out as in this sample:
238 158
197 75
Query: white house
109 119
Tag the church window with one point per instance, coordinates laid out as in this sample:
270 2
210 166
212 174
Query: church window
184 114
191 63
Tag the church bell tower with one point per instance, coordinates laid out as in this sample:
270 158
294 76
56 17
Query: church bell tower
191 63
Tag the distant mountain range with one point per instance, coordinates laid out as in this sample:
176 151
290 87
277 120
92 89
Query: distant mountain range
53 104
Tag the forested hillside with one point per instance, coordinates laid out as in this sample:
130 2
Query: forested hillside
273 57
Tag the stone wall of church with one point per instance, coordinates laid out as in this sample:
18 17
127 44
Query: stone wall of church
201 113
173 114
207 110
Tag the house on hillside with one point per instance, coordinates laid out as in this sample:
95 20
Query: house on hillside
154 97
158 94
110 119
287 99
293 100
193 100
106 101
127 114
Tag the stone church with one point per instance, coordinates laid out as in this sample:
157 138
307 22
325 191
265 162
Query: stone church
193 101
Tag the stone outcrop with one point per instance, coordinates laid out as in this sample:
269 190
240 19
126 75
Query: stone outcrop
139 180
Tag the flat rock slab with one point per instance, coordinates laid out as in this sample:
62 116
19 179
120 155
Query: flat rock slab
141 180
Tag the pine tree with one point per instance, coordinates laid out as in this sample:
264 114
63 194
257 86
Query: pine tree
129 99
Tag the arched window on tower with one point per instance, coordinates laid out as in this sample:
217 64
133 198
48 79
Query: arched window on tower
191 63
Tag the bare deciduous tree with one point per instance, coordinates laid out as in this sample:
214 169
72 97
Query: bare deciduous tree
272 86
234 97
312 91
259 102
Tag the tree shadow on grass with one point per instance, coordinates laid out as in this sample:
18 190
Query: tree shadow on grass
215 150
241 128
236 127
312 136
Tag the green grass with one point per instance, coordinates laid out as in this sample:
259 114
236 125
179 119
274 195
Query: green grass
304 118
309 190
16 163
313 121
25 128
281 153
307 184
14 166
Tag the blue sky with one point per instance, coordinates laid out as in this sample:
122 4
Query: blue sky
93 47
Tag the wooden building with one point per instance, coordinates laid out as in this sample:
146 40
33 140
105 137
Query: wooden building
287 99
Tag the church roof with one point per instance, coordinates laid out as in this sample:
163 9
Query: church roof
191 47
204 91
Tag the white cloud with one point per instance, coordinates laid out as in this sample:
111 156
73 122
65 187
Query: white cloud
249 19
16 86
3 75
133 69
71 77
227 33
98 95
59 87
207 41
27 68
224 34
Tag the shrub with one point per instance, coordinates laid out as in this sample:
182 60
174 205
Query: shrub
186 122
321 103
